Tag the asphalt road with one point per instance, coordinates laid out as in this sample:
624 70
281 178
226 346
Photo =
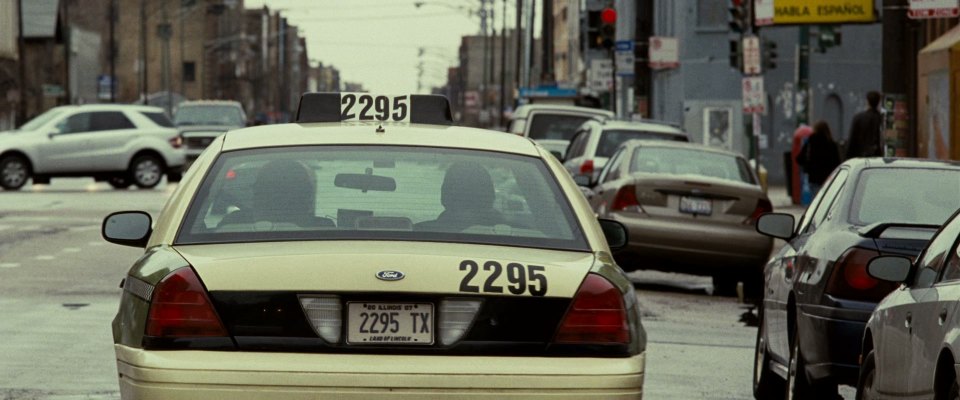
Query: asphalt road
59 291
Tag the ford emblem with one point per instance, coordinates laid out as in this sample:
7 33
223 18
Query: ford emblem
390 275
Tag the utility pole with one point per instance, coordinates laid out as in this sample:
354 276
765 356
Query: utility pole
66 53
165 34
503 64
113 51
183 91
518 32
486 48
22 111
144 86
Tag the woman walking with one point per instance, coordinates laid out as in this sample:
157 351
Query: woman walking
819 156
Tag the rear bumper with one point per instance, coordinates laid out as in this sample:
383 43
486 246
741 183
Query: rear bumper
693 247
245 375
831 342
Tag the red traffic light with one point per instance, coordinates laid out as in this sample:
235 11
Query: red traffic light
608 16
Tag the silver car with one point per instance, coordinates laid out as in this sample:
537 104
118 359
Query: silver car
121 144
596 141
202 121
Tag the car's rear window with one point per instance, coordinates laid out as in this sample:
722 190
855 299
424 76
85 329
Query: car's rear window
381 193
911 195
611 139
680 161
555 126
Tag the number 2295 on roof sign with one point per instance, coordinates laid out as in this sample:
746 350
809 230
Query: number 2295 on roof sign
370 107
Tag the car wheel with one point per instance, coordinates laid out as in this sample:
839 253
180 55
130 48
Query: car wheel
146 171
865 384
798 386
766 384
14 172
119 182
724 285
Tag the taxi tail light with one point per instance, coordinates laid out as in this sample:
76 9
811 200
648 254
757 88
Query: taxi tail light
456 316
763 206
324 313
849 279
597 315
625 199
586 168
180 307
176 141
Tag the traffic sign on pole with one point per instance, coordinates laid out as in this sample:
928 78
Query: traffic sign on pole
751 55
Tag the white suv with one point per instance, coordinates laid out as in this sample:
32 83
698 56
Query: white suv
121 144
596 141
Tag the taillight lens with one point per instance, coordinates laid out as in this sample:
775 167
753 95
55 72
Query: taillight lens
180 308
763 206
849 279
586 168
597 315
176 142
626 198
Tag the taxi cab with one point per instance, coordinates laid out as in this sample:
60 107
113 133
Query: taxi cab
373 250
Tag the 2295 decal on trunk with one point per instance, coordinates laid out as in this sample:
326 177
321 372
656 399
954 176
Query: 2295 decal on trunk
522 278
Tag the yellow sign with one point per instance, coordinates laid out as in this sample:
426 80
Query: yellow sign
823 11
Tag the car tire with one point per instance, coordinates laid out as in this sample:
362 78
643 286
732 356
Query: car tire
865 383
119 182
146 171
798 387
725 285
14 172
767 385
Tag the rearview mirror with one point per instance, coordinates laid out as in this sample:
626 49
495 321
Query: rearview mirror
890 268
614 232
365 182
778 225
127 228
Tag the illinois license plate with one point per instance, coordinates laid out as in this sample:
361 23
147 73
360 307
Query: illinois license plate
390 323
696 206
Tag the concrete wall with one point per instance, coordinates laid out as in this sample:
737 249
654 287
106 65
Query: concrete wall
839 78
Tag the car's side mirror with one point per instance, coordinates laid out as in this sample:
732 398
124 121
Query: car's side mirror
778 225
890 268
583 180
127 228
614 232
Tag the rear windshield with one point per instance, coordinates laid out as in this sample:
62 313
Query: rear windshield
381 193
610 140
921 196
674 161
555 126
209 115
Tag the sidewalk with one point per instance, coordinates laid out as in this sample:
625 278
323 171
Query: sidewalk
781 201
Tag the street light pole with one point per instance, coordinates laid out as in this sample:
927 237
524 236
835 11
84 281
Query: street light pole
503 63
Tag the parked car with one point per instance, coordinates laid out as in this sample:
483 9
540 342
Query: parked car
689 208
910 346
817 294
201 121
552 126
121 144
596 141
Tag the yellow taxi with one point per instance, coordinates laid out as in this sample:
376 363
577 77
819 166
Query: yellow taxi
372 249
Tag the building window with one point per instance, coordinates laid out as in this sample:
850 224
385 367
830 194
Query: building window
711 14
189 71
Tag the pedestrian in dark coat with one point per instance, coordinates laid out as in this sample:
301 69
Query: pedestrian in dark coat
819 156
865 131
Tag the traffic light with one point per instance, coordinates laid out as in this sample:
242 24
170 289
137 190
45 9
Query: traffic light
608 27
739 19
735 58
769 54
829 37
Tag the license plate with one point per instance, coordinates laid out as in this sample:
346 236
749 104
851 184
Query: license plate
390 323
695 205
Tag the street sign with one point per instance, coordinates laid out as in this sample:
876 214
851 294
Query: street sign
924 9
104 85
623 45
600 75
624 57
664 52
751 55
753 96
763 12
794 12
51 90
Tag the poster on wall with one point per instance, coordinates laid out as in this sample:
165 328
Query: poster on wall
718 126
938 116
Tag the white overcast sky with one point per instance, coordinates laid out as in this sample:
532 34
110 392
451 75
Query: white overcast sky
376 42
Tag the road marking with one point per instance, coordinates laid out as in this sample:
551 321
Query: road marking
9 265
30 228
45 258
84 228
95 243
71 250
5 227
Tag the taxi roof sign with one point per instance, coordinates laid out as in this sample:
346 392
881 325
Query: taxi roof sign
343 107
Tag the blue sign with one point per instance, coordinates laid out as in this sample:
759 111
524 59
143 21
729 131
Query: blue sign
623 45
548 91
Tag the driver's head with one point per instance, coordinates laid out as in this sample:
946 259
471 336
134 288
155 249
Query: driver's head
284 192
467 187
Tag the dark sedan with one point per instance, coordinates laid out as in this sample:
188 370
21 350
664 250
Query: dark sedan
817 293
